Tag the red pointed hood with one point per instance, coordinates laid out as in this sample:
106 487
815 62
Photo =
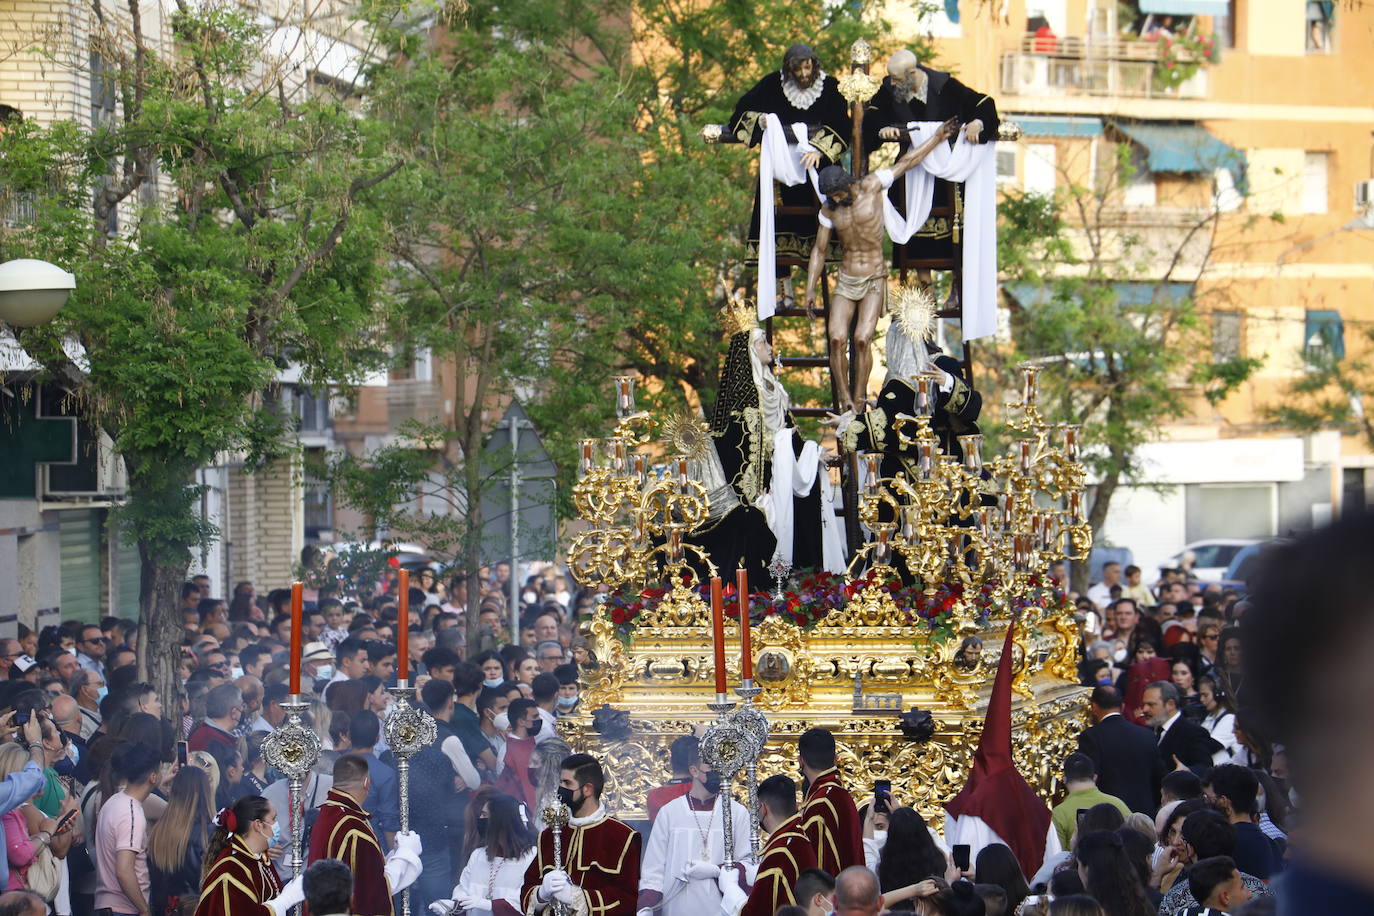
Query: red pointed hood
996 791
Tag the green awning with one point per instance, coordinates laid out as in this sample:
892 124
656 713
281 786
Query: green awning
1324 330
1058 126
1185 148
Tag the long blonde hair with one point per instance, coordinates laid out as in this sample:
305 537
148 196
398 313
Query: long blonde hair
189 809
12 759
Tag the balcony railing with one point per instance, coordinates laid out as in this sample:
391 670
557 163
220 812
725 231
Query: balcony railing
413 399
1050 66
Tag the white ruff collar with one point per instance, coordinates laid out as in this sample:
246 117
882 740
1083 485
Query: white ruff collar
802 98
597 815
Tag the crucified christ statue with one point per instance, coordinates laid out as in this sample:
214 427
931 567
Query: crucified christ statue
854 209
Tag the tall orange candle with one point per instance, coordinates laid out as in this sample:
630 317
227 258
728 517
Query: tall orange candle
403 628
746 665
718 634
296 599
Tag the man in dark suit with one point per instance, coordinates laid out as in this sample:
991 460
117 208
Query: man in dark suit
1128 764
1180 741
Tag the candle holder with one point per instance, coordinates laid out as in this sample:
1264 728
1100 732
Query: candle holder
408 731
779 569
749 719
293 749
726 748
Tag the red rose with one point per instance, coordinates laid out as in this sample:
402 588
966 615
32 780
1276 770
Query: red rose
617 615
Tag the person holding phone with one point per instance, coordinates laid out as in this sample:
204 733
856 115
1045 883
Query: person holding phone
25 782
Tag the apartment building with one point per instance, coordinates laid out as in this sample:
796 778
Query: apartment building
60 557
1282 111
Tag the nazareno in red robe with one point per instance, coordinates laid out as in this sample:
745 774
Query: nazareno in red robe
239 883
602 858
830 821
342 832
787 854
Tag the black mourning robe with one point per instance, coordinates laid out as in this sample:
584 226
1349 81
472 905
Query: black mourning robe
828 128
946 98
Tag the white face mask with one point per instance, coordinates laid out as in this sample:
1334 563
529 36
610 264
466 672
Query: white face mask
324 671
880 837
236 672
501 721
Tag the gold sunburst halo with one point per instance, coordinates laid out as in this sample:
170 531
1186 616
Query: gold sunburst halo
913 308
688 435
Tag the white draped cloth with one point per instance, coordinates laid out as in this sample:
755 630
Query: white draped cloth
795 475
682 838
975 165
778 161
973 831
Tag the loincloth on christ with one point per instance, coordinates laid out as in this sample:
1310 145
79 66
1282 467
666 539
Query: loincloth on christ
856 288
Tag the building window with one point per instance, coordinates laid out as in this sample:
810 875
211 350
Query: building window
1314 182
312 411
319 503
104 113
1324 335
1039 175
1226 343
1224 27
1006 163
1321 26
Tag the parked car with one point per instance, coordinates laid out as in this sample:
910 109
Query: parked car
1247 562
1212 557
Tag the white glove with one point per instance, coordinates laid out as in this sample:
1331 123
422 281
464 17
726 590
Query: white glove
733 898
290 895
409 841
472 902
442 907
551 882
645 911
403 865
569 893
700 870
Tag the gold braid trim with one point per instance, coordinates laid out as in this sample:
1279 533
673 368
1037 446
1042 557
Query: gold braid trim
751 482
829 144
744 130
958 396
849 437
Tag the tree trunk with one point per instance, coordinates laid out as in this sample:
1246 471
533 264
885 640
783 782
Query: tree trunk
472 544
162 572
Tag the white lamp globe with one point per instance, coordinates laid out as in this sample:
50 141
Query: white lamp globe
32 291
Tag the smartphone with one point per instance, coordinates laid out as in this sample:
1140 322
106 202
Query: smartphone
1082 813
181 753
21 718
961 856
65 821
882 795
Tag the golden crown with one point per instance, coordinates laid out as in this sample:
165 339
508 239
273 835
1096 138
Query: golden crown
738 317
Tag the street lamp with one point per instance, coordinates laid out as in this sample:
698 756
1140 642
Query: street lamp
32 291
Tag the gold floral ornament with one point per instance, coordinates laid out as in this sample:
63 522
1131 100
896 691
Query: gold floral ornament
858 86
738 317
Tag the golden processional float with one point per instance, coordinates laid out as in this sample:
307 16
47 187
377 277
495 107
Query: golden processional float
899 673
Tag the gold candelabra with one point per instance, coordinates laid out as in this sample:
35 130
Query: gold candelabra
638 516
950 523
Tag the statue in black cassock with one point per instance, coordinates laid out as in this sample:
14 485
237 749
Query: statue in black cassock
801 92
911 92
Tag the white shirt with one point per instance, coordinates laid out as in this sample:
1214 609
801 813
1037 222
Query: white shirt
1168 724
682 837
549 729
1100 595
1221 725
488 880
261 725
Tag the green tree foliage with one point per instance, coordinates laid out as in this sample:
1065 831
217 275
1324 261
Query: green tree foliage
1333 393
1116 315
563 222
250 247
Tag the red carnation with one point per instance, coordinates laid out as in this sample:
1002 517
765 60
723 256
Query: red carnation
617 615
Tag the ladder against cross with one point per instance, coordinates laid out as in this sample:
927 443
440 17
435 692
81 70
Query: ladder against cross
857 86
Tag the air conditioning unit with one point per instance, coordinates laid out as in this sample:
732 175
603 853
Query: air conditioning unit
98 474
1033 73
1364 195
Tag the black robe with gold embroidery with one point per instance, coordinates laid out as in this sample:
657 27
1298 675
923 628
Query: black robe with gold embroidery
955 414
828 129
601 858
946 98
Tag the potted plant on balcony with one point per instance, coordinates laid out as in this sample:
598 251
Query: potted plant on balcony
1180 57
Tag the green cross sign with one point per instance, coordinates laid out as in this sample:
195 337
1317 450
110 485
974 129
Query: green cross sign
28 440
